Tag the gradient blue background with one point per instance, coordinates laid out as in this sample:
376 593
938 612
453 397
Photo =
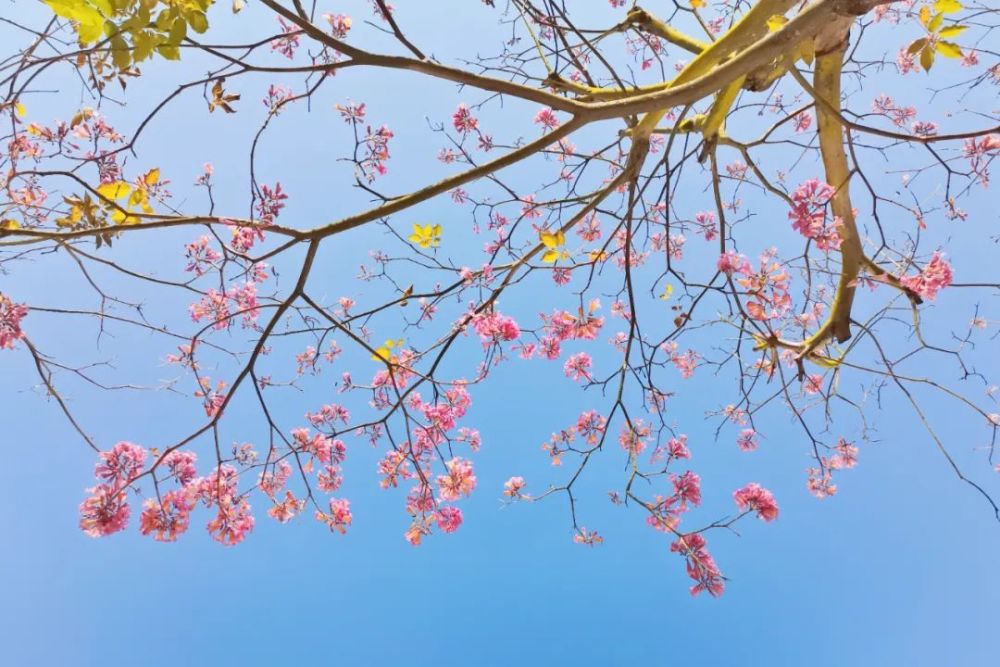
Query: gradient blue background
898 569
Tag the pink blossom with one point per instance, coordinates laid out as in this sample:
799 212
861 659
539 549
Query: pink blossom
747 440
289 41
588 537
935 276
754 497
460 481
463 120
577 367
547 119
121 464
809 214
802 122
513 486
339 24
706 221
11 315
234 520
732 262
104 512
168 519
591 426
181 466
687 488
448 519
493 327
846 456
201 256
634 437
924 128
700 565
285 510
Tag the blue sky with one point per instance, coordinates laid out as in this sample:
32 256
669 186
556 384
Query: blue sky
898 568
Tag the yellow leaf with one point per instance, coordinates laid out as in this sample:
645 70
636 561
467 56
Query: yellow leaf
384 352
667 292
9 224
115 190
152 176
20 110
947 6
949 49
953 31
936 22
917 45
927 58
426 236
775 22
554 243
697 4
925 15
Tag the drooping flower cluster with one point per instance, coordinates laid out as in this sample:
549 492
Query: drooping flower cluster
700 565
809 217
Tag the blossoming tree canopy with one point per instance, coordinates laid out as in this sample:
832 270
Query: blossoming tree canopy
739 212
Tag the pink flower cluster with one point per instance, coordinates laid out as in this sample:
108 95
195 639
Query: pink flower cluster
935 276
463 120
216 308
513 487
201 256
755 498
459 480
809 217
700 565
11 315
820 479
339 517
562 326
493 327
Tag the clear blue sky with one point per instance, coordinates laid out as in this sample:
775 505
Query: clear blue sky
898 569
